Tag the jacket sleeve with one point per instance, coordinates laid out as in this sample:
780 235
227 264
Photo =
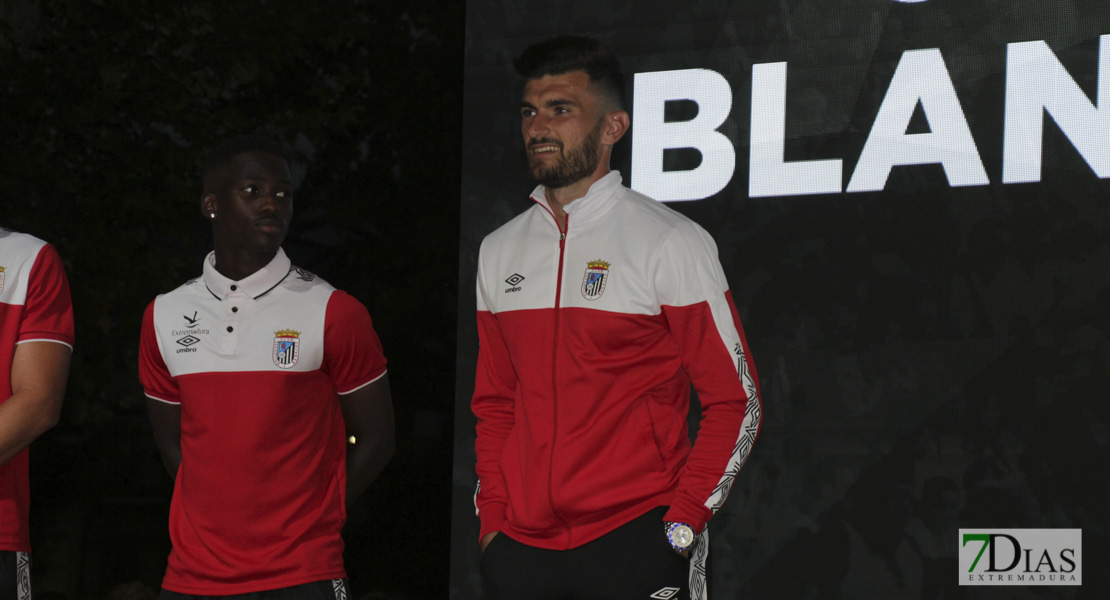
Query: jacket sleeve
702 318
493 404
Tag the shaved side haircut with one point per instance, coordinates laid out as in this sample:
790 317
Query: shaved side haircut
569 53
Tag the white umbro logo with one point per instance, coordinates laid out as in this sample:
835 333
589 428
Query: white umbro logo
665 593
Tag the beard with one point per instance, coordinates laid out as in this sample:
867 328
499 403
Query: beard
574 165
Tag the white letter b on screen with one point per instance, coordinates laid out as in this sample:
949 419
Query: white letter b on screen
651 135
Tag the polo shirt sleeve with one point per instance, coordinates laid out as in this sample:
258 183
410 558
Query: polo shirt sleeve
157 382
48 311
353 356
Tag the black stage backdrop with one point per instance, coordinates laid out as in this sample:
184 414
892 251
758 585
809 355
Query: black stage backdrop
911 205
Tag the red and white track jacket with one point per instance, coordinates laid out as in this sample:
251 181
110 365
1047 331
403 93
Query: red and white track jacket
588 344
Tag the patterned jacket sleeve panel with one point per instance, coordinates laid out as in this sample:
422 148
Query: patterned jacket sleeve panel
48 312
702 318
153 373
493 404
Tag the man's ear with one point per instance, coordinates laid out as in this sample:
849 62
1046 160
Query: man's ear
208 205
616 124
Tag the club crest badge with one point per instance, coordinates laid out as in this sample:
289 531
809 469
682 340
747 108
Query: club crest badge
593 282
2 279
287 348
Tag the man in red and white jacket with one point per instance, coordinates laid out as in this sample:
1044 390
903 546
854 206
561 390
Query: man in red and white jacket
597 309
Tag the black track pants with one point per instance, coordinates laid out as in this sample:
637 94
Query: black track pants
332 589
633 562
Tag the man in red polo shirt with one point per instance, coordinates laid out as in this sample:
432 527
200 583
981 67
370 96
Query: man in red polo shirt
36 340
268 397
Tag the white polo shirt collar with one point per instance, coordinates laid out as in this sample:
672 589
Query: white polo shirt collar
253 286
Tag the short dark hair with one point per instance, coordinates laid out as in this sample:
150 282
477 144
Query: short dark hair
568 53
241 144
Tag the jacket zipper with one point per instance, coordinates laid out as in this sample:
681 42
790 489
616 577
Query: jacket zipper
554 373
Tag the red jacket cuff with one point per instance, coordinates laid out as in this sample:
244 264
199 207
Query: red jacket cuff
492 516
696 516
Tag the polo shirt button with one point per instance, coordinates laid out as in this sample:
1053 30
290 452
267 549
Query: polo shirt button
230 329
234 287
234 309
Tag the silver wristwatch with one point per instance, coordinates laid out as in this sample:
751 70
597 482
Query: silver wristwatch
680 535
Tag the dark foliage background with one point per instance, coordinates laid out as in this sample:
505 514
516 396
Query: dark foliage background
107 110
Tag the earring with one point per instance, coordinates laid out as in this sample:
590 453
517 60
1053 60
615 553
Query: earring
211 215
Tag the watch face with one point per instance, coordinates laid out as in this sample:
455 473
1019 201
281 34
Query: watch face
683 536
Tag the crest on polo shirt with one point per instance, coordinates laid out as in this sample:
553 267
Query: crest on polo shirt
287 348
593 282
2 279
